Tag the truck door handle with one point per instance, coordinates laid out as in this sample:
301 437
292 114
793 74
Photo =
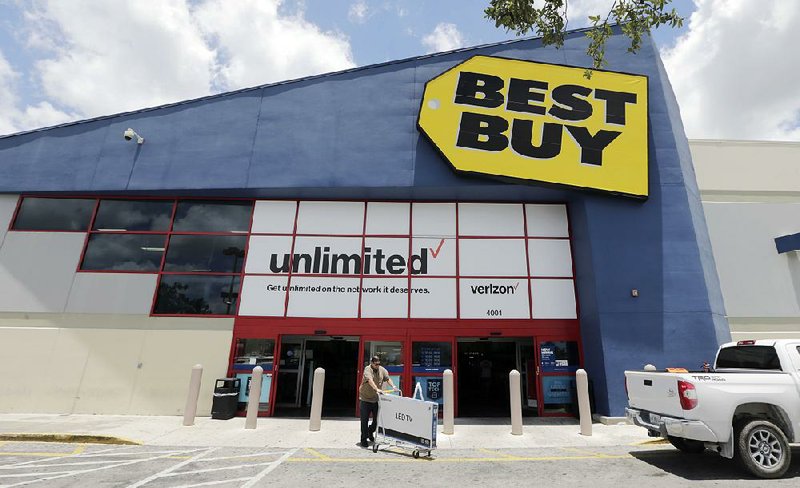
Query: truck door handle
648 382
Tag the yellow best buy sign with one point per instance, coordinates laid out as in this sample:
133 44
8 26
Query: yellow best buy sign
541 122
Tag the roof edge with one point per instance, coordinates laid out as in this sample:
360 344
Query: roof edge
284 82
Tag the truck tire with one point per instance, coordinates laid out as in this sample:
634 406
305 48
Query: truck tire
689 446
763 449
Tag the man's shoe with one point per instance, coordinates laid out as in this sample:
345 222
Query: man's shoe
363 444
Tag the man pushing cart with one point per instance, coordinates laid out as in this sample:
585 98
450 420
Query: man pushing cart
372 382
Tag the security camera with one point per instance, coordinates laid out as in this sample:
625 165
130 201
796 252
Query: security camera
130 134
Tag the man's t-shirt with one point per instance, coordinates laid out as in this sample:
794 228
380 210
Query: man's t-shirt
365 392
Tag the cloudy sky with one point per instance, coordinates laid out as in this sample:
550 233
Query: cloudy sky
733 66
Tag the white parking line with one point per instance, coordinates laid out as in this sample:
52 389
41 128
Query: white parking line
75 464
28 475
207 483
172 468
255 454
255 479
182 451
211 470
86 471
23 463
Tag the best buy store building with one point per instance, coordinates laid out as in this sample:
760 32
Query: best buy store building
481 210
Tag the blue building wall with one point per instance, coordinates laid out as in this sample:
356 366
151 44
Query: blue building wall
353 135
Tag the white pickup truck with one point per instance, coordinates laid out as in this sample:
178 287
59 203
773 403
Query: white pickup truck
747 405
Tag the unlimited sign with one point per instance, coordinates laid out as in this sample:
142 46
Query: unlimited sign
541 122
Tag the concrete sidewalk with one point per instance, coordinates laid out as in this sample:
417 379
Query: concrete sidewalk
335 433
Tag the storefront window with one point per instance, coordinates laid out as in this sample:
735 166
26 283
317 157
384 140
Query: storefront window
431 357
54 214
211 253
124 252
133 215
558 361
208 216
248 354
432 388
391 354
197 294
559 356
558 394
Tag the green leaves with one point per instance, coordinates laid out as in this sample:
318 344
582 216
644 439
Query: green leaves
548 18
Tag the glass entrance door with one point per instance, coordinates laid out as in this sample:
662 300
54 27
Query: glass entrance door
247 354
483 366
392 358
557 360
299 357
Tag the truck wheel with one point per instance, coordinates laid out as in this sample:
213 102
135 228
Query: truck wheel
763 449
689 446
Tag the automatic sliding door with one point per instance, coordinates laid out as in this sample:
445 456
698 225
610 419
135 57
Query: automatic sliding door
290 368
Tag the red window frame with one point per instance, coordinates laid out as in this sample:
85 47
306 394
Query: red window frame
167 237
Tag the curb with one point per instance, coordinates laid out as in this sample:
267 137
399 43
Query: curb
652 442
69 439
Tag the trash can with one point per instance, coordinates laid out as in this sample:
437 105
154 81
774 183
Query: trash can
226 397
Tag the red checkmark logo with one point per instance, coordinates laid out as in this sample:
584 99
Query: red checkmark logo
438 248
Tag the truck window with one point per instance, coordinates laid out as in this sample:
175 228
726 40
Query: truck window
748 357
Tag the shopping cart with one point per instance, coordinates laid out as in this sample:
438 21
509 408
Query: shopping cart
407 423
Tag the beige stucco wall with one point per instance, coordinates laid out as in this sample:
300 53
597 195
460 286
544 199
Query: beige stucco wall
108 364
746 170
751 195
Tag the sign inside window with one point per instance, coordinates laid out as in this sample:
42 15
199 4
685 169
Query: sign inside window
479 261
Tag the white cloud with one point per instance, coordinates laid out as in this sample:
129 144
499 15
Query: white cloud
116 56
445 37
734 71
580 10
8 79
13 118
358 12
98 57
257 45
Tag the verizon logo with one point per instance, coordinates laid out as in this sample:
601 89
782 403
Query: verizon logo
493 289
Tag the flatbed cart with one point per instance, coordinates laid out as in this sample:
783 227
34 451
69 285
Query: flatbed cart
407 423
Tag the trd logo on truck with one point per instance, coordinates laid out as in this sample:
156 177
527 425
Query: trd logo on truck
706 377
541 122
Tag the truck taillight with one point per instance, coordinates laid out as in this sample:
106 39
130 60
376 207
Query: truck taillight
688 395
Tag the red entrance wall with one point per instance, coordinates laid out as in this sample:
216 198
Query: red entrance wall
404 330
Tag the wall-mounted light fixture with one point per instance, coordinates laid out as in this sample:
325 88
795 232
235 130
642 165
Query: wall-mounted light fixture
130 134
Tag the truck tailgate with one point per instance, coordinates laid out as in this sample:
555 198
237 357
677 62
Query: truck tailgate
654 392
